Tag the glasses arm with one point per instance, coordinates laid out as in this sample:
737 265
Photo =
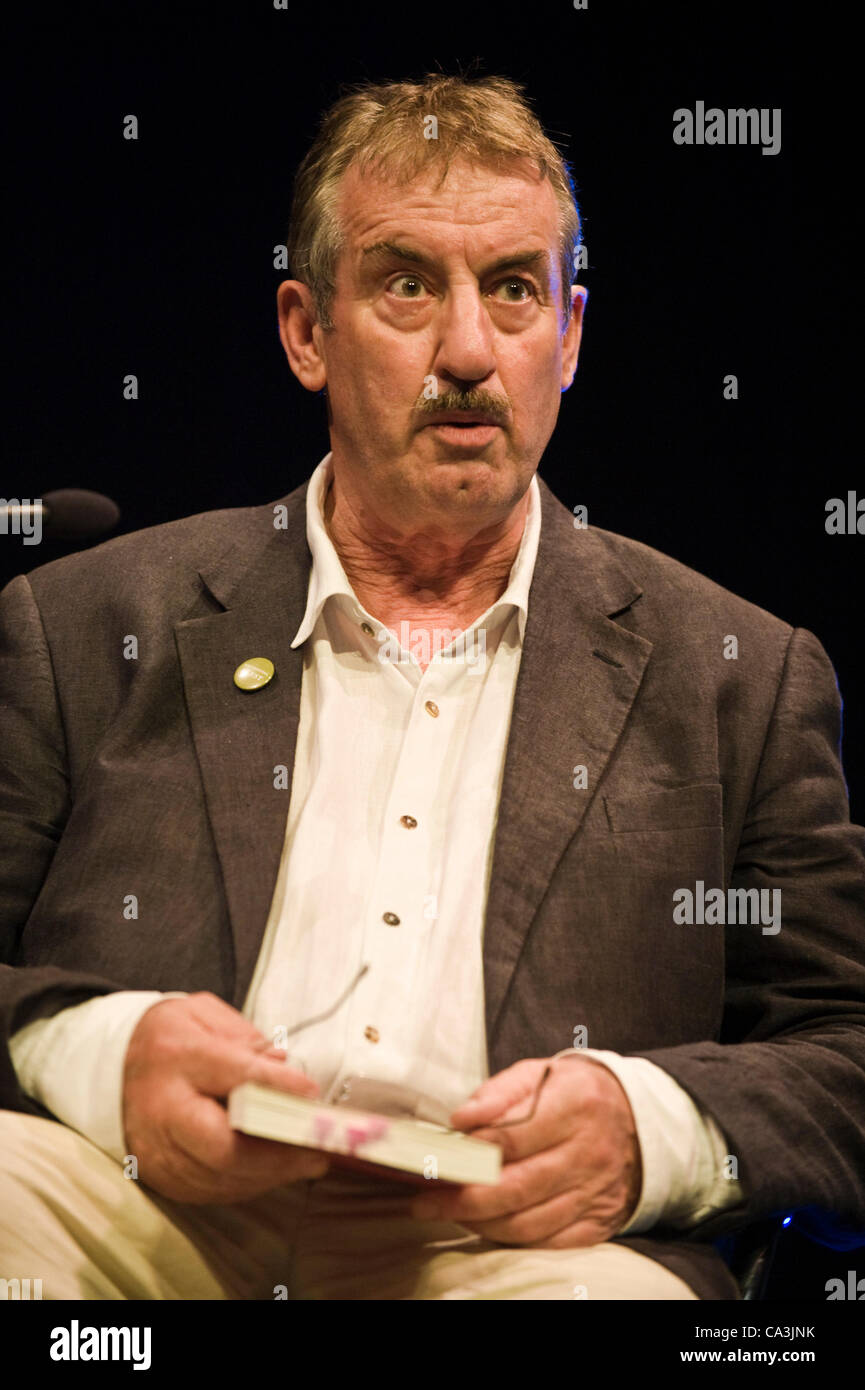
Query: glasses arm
319 1018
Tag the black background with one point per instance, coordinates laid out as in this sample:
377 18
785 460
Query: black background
155 257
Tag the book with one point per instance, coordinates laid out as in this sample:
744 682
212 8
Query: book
364 1137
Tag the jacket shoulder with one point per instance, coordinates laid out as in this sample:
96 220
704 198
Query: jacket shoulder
680 596
161 562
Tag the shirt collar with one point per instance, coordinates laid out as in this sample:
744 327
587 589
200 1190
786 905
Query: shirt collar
328 578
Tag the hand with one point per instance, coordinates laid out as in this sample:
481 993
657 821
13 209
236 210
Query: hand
184 1056
571 1175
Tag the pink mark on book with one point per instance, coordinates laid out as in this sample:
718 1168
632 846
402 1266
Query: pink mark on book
365 1132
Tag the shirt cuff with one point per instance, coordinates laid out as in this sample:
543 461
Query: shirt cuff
684 1154
73 1062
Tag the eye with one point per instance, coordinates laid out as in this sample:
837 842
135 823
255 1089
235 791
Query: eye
407 287
523 290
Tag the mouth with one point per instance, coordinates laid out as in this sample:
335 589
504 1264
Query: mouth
465 436
465 428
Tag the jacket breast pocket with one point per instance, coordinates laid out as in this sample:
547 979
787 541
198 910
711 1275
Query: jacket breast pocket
668 808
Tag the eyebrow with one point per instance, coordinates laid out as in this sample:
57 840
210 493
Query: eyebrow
536 259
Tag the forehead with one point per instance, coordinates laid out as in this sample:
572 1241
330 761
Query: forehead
474 206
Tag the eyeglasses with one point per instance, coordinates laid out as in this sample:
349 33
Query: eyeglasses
390 1094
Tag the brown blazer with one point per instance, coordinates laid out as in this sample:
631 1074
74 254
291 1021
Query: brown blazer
155 777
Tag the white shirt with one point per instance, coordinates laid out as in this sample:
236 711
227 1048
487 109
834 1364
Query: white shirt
386 863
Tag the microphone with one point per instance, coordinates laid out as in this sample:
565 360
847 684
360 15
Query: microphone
70 513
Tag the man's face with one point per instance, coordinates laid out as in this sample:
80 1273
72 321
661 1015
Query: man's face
441 292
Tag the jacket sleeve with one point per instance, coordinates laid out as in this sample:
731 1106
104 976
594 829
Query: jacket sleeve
35 802
786 1082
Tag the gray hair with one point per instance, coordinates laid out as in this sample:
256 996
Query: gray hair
486 121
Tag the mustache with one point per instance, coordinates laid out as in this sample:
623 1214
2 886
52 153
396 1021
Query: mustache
476 399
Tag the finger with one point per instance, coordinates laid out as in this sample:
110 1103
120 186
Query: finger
580 1214
219 1152
544 1131
523 1184
187 1179
215 1016
555 1224
583 1104
554 1122
267 1070
215 1066
499 1094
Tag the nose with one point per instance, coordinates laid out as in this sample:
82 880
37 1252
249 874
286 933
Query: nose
465 350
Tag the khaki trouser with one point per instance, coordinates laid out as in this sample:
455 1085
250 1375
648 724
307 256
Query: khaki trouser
70 1218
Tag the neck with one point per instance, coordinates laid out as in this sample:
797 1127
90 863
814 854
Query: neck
424 577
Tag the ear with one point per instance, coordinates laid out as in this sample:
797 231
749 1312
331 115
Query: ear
300 334
572 335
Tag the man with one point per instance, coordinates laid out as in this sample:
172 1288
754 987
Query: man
411 718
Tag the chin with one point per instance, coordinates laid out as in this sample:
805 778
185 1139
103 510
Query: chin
475 482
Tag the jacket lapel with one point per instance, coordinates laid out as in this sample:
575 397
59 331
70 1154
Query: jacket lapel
242 738
578 678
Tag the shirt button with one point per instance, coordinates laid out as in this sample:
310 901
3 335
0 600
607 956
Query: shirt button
370 1033
408 821
365 627
390 918
432 708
